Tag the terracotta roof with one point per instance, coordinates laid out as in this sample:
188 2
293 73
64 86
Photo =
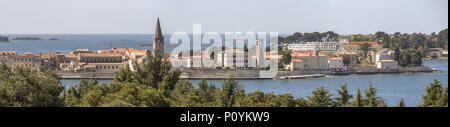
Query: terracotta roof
335 58
140 53
305 53
385 51
7 53
137 50
22 56
70 56
195 57
269 56
101 54
346 53
296 60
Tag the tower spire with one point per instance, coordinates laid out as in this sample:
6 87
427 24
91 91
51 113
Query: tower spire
158 40
158 32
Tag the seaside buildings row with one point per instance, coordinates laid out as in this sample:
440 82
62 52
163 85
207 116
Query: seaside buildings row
322 56
109 61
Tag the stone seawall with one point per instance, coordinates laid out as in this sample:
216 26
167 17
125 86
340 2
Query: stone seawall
85 75
374 70
247 74
220 74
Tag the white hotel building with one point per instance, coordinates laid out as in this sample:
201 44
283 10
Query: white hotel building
322 46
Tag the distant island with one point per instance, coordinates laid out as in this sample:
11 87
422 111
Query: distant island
4 39
53 39
27 38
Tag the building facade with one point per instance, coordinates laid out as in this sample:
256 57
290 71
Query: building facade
324 47
384 54
312 59
232 58
32 61
336 63
387 64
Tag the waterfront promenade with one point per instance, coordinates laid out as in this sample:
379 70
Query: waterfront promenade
247 74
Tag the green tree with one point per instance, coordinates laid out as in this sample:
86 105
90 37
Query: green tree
371 98
365 48
347 61
443 39
301 102
344 96
321 97
23 87
443 102
433 94
206 92
397 54
358 102
227 95
401 103
125 75
155 70
284 100
381 103
286 57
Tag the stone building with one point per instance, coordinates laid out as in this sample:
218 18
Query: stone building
312 59
28 60
4 55
384 54
387 65
352 56
336 63
296 64
100 57
232 58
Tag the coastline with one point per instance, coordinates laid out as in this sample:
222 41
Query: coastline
254 74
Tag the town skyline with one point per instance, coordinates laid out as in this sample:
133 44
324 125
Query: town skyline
286 17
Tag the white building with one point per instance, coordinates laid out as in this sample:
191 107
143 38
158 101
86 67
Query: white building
179 63
296 64
322 46
195 62
387 64
336 63
231 58
384 54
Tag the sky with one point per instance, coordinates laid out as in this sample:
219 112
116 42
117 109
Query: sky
283 16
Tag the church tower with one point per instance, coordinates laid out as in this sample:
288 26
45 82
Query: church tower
158 41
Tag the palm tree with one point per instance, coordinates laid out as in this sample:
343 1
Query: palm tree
365 48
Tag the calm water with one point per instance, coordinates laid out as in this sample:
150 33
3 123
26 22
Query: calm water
68 43
390 86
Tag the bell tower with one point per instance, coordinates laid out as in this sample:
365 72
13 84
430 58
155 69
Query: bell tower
158 41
